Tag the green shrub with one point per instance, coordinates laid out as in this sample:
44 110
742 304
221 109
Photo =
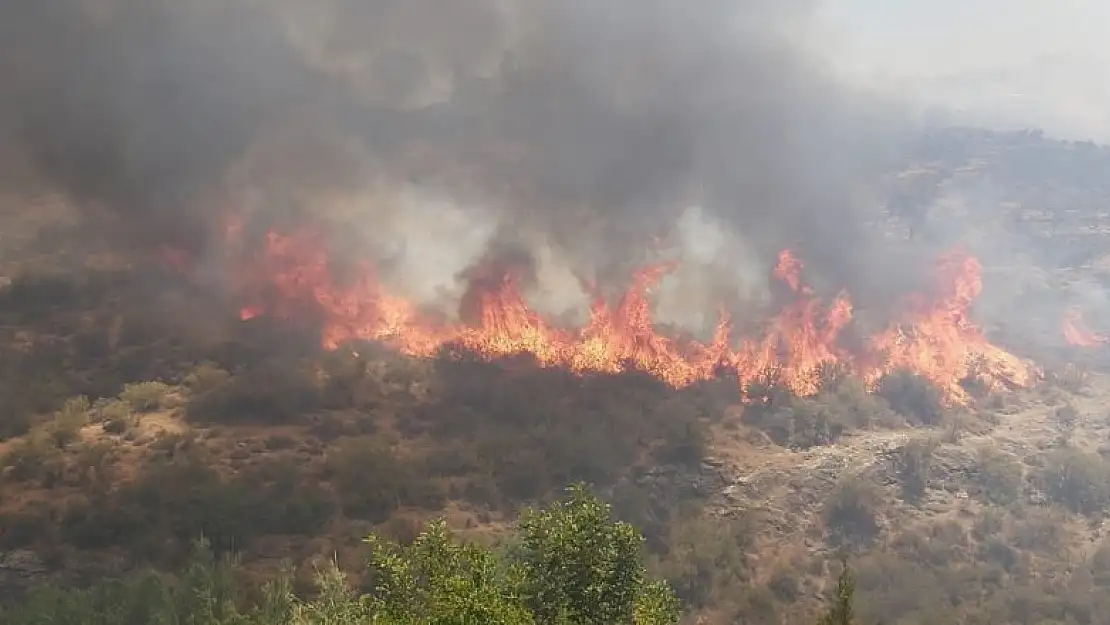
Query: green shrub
536 429
75 408
1067 418
785 586
842 405
912 396
37 457
706 558
93 464
372 481
65 429
913 463
206 378
113 410
273 392
852 513
854 406
176 499
684 447
145 396
1077 480
578 565
999 477
117 426
116 415
812 424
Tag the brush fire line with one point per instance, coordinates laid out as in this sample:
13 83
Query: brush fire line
934 336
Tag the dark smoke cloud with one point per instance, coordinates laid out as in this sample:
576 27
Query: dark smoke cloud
141 106
593 122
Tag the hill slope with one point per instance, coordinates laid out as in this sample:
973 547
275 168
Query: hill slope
136 419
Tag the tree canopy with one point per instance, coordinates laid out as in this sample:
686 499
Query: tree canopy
571 563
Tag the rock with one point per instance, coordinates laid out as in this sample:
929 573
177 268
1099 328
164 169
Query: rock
20 571
22 561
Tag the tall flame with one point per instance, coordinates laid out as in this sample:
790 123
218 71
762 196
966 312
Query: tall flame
935 337
800 338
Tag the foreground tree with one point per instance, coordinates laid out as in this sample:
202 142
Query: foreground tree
440 581
573 564
579 566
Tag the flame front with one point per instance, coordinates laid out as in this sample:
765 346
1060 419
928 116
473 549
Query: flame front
935 338
938 339
1076 332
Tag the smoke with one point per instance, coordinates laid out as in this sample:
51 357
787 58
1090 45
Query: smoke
421 129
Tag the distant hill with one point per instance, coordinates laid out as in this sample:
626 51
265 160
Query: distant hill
1067 97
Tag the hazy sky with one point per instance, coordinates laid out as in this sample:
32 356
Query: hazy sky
1043 63
941 36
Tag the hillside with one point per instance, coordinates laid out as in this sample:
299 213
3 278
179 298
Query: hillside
142 412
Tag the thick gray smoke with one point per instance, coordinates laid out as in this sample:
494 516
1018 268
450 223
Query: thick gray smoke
587 127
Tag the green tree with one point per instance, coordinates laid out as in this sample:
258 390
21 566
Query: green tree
580 566
206 593
575 566
840 611
439 581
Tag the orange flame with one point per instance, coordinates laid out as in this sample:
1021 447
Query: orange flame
800 339
1077 333
936 337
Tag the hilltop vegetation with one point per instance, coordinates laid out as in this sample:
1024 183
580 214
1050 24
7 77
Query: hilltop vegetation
137 421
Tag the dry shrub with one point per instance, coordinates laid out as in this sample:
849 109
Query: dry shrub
1070 377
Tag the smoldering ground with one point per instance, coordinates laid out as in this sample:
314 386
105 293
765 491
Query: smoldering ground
587 127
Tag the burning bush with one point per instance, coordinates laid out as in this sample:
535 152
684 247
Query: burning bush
934 338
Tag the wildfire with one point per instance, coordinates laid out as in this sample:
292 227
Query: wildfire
1077 333
935 337
938 339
